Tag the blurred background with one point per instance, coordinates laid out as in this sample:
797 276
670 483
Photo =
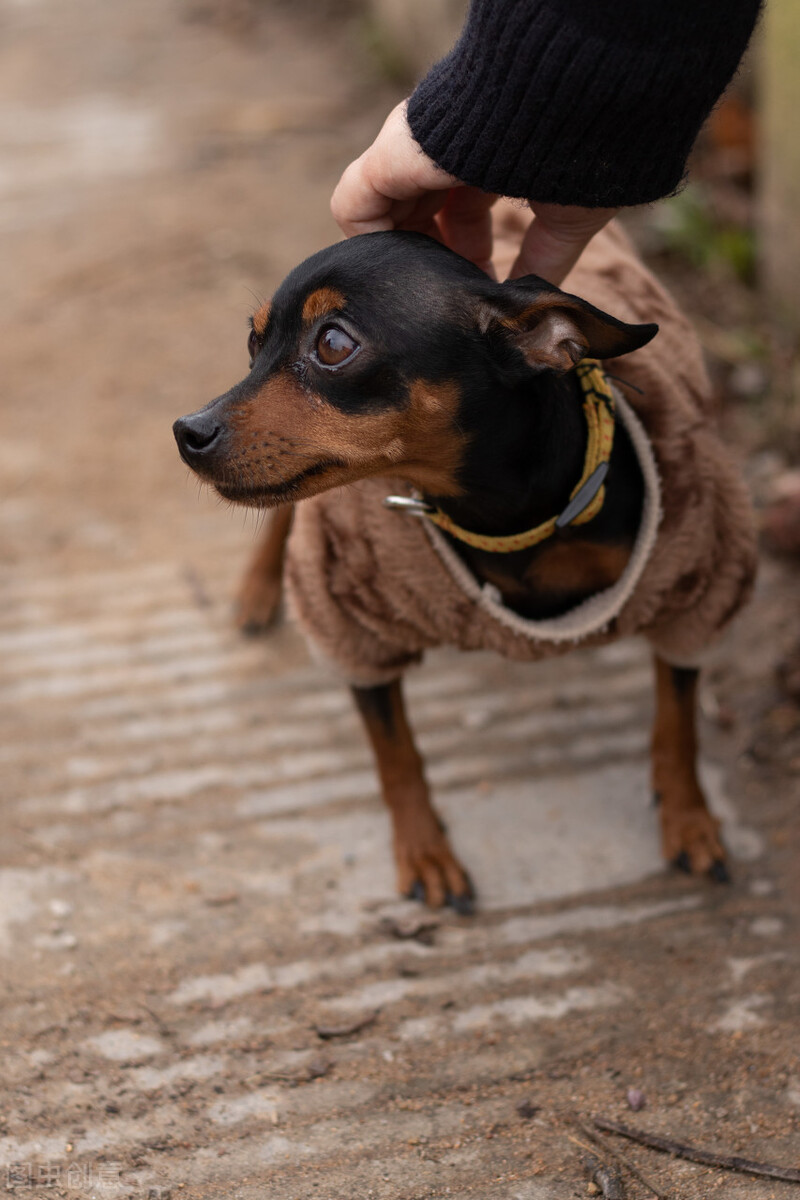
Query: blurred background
194 865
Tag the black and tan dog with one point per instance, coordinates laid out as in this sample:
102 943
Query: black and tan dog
389 356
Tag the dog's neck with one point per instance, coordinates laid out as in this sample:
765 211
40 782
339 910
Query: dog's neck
525 455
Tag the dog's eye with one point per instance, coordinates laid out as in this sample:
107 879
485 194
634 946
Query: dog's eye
334 346
253 345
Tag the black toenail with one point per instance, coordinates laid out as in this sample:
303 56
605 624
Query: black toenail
719 871
463 905
417 892
682 862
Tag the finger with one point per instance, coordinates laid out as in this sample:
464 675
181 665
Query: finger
357 205
394 168
466 225
556 238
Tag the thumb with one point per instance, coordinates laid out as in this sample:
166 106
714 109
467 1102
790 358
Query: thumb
556 238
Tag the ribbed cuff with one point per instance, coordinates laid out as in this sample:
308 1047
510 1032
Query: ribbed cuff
552 102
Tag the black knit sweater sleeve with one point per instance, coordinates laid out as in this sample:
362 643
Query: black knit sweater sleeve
590 102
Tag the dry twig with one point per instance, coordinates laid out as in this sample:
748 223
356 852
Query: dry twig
607 1179
619 1157
707 1158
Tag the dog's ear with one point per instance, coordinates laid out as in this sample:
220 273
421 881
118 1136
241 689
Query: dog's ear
554 330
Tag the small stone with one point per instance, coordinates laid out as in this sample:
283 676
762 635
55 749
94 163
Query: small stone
766 926
221 898
59 940
335 1031
527 1110
636 1099
418 927
318 1068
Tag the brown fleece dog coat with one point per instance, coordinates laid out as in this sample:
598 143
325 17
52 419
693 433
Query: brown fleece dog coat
374 588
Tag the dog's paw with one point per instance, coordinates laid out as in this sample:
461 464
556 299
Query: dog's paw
429 871
691 842
258 604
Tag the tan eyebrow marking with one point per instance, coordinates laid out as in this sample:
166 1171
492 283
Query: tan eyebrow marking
260 318
322 301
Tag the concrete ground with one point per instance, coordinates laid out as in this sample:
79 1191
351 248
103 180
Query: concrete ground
195 879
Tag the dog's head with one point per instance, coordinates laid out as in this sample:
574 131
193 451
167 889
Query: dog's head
364 361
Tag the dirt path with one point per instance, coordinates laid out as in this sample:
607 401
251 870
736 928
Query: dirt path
194 871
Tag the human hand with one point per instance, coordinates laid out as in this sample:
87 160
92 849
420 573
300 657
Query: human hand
394 185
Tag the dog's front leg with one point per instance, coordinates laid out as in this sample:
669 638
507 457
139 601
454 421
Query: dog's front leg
689 833
426 866
260 592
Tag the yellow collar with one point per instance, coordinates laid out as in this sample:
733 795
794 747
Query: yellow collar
586 498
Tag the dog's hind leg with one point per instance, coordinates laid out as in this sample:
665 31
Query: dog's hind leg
689 833
426 866
260 592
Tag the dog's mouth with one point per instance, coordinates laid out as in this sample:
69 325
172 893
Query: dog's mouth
264 495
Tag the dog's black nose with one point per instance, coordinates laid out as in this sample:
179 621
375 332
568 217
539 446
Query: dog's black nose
198 436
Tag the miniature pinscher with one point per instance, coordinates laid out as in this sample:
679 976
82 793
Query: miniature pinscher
333 397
